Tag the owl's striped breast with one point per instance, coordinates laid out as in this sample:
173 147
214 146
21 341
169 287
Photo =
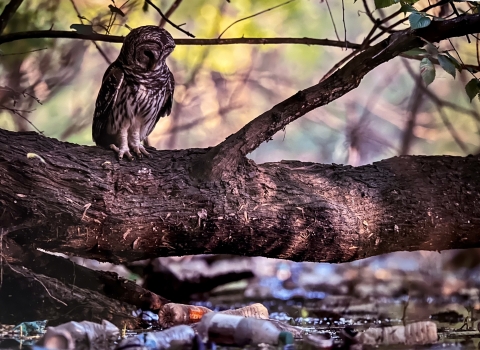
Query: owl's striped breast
137 104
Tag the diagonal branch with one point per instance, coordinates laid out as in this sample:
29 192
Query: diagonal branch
8 12
225 157
168 21
169 12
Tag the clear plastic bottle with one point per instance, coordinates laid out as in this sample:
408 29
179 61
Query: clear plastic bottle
240 331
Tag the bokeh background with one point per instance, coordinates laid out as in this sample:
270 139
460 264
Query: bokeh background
221 88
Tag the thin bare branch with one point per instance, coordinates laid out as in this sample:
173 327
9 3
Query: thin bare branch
36 279
333 20
167 20
18 113
21 53
343 19
169 12
119 39
254 15
104 55
8 12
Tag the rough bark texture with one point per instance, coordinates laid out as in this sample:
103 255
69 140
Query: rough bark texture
80 200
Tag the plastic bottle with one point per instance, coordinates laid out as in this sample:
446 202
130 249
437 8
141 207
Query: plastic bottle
240 331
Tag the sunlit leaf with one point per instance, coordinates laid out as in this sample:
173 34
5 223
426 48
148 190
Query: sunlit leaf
472 88
415 52
427 70
447 65
418 20
379 4
82 28
407 8
116 10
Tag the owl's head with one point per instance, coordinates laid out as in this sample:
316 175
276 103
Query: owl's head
146 48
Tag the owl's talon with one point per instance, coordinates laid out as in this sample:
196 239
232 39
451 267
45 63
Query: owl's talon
122 152
140 151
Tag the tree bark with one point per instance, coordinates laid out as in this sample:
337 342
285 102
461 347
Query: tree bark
77 199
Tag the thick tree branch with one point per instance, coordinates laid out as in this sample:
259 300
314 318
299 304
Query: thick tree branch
225 157
8 12
7 38
76 199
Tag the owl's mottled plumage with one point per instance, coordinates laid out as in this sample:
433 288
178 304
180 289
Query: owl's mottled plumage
137 90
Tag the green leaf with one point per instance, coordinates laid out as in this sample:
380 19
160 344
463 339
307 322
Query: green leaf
447 65
415 52
407 8
114 9
454 61
82 28
427 70
418 20
380 4
472 88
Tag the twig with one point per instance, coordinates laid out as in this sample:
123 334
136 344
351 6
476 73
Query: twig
8 12
36 279
21 53
339 64
170 11
439 103
343 19
167 20
104 55
478 51
17 112
255 14
459 57
119 39
376 22
333 21
451 130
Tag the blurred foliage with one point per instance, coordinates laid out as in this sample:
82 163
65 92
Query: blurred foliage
221 88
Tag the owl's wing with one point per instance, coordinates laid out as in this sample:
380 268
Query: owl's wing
166 108
168 101
111 82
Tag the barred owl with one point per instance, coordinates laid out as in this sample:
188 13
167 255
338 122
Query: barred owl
137 90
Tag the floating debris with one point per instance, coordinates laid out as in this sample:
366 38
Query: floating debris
317 341
256 310
172 314
240 331
447 317
414 333
179 337
80 335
